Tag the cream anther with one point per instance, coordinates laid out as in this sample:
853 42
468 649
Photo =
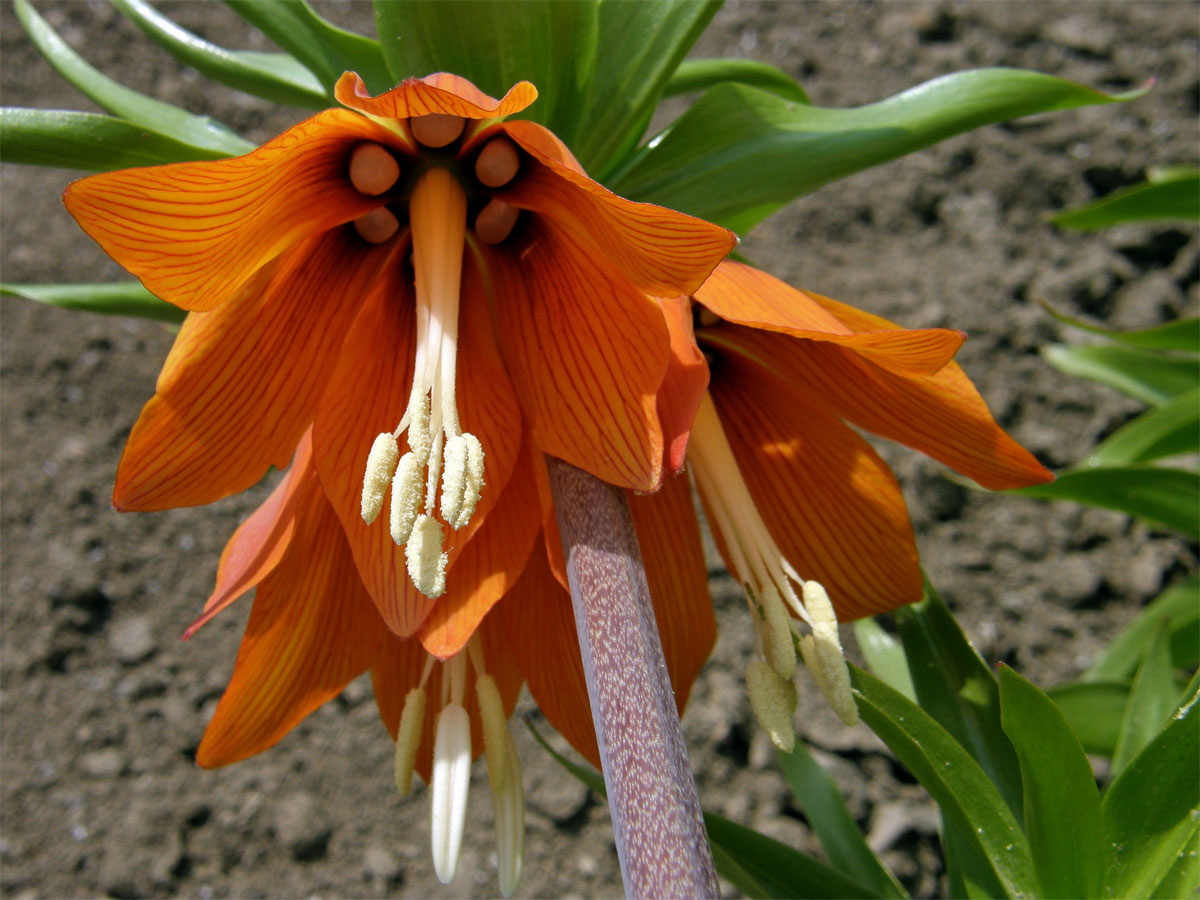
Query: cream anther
474 480
497 163
407 493
823 655
436 129
377 226
495 731
381 462
448 790
508 810
408 739
454 478
496 221
372 169
426 561
773 700
419 438
777 633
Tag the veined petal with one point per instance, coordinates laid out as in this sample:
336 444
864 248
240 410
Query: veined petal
312 629
398 667
586 353
368 393
664 253
684 384
831 504
195 232
241 383
749 296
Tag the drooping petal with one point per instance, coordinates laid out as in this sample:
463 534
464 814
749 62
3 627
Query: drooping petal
195 232
398 667
368 393
241 383
749 296
831 504
312 629
684 384
663 253
585 351
438 93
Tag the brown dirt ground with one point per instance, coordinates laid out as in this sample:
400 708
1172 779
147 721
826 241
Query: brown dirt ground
103 706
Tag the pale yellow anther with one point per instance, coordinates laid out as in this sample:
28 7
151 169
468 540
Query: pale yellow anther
426 561
454 478
436 129
381 462
474 480
777 633
508 810
495 731
419 437
408 489
773 700
497 163
408 739
496 221
372 169
823 655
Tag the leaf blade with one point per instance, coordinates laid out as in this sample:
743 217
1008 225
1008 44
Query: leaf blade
127 298
1175 196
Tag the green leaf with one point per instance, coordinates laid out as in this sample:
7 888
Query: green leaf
740 153
275 76
1181 334
152 115
127 298
700 74
1152 810
1170 430
1095 710
321 47
87 141
1151 700
1183 878
991 848
884 656
1180 607
1168 496
1062 804
957 688
821 802
1145 375
1175 196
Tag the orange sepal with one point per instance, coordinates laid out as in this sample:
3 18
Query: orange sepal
195 232
438 93
585 351
684 384
311 630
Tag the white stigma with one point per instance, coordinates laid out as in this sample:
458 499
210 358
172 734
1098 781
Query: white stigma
451 779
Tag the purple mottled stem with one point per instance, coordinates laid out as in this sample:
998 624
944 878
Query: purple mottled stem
660 835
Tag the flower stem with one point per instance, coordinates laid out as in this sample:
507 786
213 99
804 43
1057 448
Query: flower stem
657 824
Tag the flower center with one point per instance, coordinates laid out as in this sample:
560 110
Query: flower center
770 583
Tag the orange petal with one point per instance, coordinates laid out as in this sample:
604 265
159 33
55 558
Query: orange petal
368 393
586 353
261 541
195 232
940 415
684 384
487 567
438 93
241 383
311 630
677 575
398 669
751 297
551 539
664 253
831 504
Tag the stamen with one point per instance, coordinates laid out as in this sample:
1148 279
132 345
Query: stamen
508 810
408 739
496 221
426 561
495 730
822 652
372 169
497 163
406 498
419 438
381 462
454 478
448 790
437 129
377 226
773 700
474 480
777 634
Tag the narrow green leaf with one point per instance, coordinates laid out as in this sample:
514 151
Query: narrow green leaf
957 688
1095 710
324 49
1181 334
740 153
87 141
152 115
276 77
1176 196
1145 375
992 850
700 74
127 298
1168 496
884 656
1151 699
1170 430
1180 607
1062 804
821 802
1183 878
1152 809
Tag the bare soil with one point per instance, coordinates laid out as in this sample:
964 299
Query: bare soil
103 705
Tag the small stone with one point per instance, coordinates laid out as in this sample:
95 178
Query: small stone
132 640
300 826
105 763
380 863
